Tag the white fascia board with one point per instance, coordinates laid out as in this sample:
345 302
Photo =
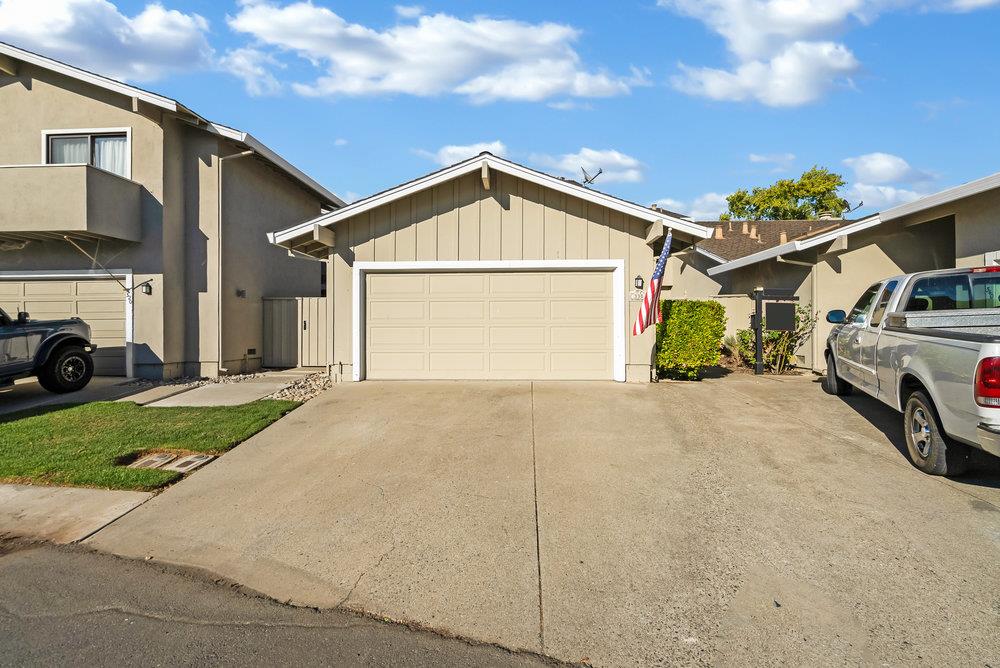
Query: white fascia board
711 256
475 164
944 197
796 246
89 77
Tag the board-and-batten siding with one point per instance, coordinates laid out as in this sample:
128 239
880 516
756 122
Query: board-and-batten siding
461 220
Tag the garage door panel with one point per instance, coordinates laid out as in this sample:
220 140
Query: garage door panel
518 336
99 302
466 310
457 337
396 310
396 284
523 325
383 338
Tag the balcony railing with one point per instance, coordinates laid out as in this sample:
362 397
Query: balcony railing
52 201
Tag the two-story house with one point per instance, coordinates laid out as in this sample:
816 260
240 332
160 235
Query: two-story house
131 211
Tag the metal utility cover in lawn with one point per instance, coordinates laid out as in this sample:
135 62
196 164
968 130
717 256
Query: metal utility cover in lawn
153 461
779 317
188 463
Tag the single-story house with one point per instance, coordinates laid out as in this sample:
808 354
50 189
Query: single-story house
488 270
131 211
828 263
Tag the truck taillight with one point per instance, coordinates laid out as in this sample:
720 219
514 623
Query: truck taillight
986 270
988 382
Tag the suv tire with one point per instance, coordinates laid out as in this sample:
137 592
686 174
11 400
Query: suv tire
68 369
930 449
832 384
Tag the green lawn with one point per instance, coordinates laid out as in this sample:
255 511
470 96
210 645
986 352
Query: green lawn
82 445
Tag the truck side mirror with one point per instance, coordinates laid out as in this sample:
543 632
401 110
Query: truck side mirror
22 317
836 316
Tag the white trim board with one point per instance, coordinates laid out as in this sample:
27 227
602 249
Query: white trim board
126 277
362 269
476 164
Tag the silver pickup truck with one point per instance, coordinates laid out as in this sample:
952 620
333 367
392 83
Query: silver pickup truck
927 344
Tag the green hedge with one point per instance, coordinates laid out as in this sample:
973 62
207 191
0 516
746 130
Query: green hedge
689 338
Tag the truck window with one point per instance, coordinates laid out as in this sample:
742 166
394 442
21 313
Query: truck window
986 291
883 303
860 309
940 293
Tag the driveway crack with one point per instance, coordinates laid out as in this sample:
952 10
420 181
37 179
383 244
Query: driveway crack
538 542
363 573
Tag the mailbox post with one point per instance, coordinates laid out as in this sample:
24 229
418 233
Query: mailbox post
781 318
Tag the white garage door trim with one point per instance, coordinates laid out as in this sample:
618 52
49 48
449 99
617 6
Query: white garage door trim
124 275
361 269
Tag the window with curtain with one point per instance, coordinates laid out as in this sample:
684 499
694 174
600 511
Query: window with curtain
106 151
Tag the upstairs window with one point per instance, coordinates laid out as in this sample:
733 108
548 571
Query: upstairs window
106 150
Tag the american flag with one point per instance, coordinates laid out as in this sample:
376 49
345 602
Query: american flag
649 312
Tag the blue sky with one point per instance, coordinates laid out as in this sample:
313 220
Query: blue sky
680 101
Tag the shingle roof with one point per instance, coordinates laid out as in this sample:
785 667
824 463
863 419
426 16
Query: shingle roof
734 244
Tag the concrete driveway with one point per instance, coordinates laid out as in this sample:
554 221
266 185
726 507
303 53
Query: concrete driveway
738 520
27 394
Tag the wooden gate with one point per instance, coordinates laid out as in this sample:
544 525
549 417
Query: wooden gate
295 332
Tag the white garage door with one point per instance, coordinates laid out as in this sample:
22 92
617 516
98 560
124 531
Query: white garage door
101 303
489 325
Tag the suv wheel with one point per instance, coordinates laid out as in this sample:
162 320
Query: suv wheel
68 369
832 384
930 449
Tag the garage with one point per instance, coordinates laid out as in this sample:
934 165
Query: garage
511 325
99 302
488 269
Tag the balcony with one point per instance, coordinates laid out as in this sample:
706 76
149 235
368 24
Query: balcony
78 201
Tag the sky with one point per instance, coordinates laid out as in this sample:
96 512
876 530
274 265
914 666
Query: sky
680 102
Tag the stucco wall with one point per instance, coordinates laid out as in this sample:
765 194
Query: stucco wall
514 220
977 226
257 200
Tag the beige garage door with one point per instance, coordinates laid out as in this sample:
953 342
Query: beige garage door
490 325
101 303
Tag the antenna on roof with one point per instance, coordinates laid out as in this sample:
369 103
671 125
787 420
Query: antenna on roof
853 209
588 179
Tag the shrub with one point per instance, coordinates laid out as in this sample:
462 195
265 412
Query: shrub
779 347
689 338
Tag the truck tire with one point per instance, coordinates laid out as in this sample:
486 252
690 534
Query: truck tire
931 450
832 384
68 369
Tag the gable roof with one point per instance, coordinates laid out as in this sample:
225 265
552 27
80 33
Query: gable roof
735 244
477 163
817 237
244 139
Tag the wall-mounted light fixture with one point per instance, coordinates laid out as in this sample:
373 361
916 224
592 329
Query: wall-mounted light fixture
147 288
638 283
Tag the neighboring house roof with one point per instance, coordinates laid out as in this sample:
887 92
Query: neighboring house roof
735 243
817 237
244 139
490 161
944 197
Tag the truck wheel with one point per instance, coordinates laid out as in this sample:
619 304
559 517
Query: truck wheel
930 449
68 369
832 384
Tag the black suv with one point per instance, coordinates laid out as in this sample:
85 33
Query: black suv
58 352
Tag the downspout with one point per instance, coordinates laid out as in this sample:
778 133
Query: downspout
219 367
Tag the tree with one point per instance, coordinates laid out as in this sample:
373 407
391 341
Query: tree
816 191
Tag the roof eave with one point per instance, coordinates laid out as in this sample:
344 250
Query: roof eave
944 197
474 164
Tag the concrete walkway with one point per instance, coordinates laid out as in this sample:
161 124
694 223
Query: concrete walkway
62 514
741 521
234 394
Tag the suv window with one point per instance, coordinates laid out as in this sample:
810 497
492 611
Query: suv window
860 309
883 303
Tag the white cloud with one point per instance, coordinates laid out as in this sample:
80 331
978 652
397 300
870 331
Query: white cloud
483 59
449 155
340 141
252 66
617 166
408 11
878 198
708 206
800 74
570 105
95 35
783 49
772 158
880 168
